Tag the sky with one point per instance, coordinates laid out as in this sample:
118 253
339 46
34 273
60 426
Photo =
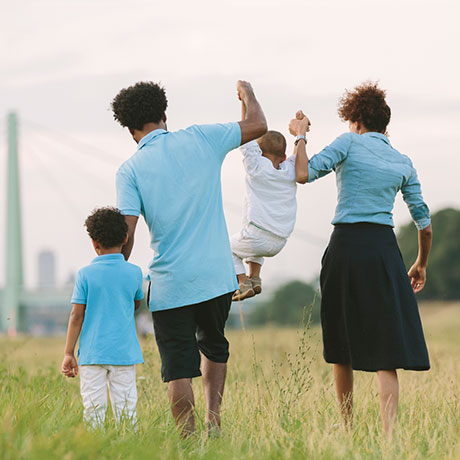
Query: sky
62 62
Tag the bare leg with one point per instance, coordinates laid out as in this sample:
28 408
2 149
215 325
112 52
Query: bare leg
241 278
389 397
180 394
343 377
254 269
213 383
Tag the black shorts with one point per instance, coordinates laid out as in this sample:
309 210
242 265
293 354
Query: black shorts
181 333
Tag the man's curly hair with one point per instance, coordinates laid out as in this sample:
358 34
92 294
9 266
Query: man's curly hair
366 104
107 226
145 102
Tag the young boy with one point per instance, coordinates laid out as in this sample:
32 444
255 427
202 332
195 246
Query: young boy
104 299
270 209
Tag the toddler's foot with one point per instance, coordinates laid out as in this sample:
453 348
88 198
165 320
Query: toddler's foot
245 291
256 282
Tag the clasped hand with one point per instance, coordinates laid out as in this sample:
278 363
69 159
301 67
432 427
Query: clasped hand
299 125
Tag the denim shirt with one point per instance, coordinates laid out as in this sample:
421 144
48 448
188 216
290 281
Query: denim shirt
369 174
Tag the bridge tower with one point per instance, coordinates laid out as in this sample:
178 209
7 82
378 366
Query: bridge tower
12 314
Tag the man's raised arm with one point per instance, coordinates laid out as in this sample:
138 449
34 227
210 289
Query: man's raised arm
253 123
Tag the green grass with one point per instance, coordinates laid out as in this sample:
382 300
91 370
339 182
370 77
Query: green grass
279 403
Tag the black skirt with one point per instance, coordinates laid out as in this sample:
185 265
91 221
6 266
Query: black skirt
369 313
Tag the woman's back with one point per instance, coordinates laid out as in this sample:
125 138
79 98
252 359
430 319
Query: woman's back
369 174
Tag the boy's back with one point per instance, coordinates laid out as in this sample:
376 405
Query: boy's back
108 288
270 193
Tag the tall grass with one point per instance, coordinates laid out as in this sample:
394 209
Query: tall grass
279 403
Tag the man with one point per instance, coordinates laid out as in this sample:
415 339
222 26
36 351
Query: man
173 180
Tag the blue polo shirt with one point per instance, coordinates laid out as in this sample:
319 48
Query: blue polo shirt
108 287
173 181
369 174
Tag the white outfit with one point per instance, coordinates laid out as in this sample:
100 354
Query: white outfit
121 382
270 207
251 244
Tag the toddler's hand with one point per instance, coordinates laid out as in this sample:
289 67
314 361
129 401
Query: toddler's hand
299 125
300 115
69 366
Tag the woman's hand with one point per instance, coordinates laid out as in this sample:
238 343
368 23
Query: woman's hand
417 276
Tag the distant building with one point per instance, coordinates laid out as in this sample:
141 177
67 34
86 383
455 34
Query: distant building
46 269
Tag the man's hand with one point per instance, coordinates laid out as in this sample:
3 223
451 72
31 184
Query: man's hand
253 123
244 90
69 366
417 276
300 125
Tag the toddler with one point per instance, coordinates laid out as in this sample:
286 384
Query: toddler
270 209
104 299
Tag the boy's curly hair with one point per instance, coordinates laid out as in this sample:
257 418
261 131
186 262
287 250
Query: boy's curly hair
144 102
366 104
107 226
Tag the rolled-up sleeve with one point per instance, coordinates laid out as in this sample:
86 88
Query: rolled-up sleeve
412 195
325 161
128 198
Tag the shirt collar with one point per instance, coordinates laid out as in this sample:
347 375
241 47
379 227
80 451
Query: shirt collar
378 136
149 137
108 258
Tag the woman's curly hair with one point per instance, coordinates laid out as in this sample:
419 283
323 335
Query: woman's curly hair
366 104
145 102
107 226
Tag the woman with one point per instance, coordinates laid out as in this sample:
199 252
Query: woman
369 313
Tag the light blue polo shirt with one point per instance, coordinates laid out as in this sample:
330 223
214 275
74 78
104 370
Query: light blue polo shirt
108 287
173 180
369 174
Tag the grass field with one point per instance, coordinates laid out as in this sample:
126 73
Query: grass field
279 403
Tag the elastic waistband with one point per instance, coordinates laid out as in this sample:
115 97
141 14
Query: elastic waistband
363 225
266 231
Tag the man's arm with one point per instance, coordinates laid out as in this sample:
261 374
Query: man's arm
128 247
299 127
69 364
137 304
253 123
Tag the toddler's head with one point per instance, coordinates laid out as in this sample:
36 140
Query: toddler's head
107 229
273 146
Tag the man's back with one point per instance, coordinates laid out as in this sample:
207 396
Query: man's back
173 180
108 287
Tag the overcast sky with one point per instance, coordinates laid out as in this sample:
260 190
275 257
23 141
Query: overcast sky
61 63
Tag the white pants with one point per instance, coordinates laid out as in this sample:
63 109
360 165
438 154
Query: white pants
252 244
121 382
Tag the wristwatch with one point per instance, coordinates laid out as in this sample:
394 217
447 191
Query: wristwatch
298 138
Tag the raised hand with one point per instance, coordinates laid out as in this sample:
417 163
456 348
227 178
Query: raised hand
244 89
299 115
299 125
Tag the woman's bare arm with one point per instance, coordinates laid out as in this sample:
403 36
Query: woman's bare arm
417 273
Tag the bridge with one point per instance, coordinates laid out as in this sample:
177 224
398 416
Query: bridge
15 301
